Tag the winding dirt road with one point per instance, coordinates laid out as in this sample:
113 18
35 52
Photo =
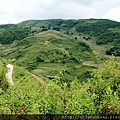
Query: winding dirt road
37 77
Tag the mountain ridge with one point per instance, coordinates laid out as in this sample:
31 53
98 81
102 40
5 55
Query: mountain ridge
58 41
75 60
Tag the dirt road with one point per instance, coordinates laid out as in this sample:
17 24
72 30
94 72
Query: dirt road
37 77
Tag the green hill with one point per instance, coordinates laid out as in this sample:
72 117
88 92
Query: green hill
103 31
47 52
71 56
45 46
99 95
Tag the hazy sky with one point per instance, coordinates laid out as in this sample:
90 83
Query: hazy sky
15 11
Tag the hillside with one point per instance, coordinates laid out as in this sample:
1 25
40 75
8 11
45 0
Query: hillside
45 46
99 95
46 52
103 31
61 67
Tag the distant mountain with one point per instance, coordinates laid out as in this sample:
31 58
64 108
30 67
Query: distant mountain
71 57
103 31
48 47
56 41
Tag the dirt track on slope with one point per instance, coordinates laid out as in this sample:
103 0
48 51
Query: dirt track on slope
37 77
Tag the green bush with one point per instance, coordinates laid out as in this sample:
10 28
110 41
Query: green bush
11 34
3 83
99 96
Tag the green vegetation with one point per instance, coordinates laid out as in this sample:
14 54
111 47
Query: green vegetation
115 50
100 95
71 56
49 47
103 31
8 35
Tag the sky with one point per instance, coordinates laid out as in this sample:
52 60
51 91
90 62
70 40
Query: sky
15 11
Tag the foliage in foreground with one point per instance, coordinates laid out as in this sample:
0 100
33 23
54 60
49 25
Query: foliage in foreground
100 95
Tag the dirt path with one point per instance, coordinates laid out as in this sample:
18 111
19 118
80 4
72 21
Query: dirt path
37 77
90 63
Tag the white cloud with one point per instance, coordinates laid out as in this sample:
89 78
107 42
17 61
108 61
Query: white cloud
74 10
113 14
103 6
14 11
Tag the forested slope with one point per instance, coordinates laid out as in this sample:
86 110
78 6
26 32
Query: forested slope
79 77
99 96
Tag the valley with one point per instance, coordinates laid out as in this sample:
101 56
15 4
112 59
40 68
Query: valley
61 67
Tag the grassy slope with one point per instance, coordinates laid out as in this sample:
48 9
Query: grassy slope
28 96
97 29
55 48
46 53
100 50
